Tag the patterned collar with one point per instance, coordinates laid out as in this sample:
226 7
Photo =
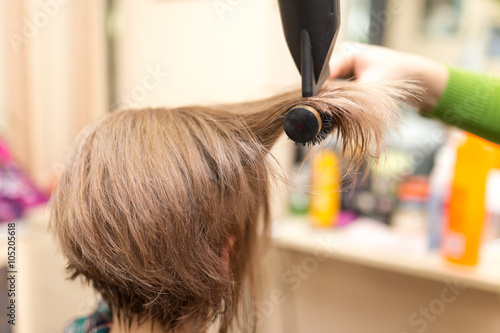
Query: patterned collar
98 322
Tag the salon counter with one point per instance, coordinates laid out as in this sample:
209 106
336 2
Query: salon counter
366 277
369 243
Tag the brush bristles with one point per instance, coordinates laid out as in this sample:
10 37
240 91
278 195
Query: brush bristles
327 126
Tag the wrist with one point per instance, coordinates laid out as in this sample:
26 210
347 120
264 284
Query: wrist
434 81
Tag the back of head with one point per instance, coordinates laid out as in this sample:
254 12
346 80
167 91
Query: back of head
158 209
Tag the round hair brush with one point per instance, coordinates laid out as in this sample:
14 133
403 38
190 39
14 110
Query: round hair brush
304 124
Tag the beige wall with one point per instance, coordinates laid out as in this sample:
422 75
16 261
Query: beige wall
54 79
210 55
404 33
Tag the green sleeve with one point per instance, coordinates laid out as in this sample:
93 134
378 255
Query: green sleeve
471 102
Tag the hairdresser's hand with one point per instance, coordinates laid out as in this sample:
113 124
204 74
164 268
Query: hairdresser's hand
368 63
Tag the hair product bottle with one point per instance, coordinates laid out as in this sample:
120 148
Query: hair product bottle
325 194
463 232
440 182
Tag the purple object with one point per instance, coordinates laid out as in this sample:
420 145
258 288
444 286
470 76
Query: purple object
17 191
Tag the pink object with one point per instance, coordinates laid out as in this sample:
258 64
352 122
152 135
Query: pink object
346 217
17 191
5 156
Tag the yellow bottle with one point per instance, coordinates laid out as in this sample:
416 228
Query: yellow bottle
462 234
325 194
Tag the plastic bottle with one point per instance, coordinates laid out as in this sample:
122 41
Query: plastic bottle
410 214
299 197
462 235
440 183
325 194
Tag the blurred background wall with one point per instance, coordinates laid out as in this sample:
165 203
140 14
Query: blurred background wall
466 42
55 77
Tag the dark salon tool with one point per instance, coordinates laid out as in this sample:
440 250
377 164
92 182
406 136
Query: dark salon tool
311 28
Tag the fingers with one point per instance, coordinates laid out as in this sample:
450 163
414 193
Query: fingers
341 67
344 60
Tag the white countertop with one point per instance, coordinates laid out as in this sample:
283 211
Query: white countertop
370 243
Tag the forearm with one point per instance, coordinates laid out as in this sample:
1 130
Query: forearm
471 102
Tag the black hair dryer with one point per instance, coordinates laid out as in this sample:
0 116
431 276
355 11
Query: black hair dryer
311 28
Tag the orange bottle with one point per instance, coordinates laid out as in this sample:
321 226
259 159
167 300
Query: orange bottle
325 189
462 234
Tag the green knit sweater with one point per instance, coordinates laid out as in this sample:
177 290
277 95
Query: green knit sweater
471 102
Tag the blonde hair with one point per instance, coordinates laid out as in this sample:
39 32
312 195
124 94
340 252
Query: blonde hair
161 209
